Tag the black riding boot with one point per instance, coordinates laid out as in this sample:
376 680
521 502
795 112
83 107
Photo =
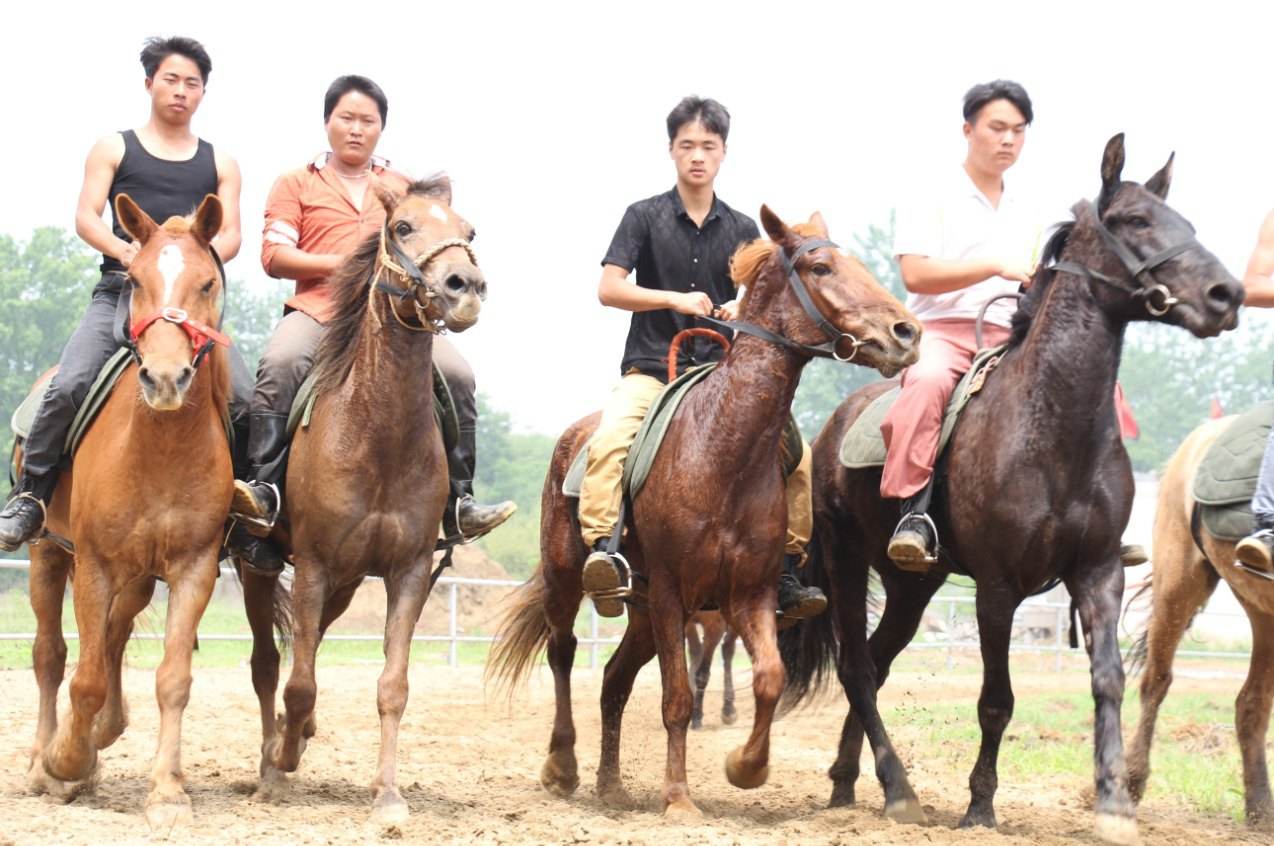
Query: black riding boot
914 545
797 601
22 518
257 502
465 518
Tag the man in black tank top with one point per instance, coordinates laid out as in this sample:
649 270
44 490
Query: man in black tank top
168 171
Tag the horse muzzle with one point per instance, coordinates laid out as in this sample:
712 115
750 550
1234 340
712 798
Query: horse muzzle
164 387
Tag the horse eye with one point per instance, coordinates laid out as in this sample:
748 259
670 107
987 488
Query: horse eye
473 233
403 228
207 287
1137 222
821 269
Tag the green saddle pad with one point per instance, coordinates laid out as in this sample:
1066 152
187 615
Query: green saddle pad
444 408
24 417
641 455
1226 478
863 446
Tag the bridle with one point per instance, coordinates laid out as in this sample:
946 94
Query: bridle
392 258
827 349
202 336
1155 296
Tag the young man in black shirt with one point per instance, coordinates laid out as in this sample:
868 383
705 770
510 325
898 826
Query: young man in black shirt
680 243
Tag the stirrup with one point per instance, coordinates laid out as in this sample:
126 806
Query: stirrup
930 558
261 522
41 531
625 588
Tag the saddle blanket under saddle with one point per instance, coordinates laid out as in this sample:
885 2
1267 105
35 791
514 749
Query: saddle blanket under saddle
1226 478
641 455
444 408
863 446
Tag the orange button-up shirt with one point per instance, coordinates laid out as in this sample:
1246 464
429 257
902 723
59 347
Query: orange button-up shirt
310 209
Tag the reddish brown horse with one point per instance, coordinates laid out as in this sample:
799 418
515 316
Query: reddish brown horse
1038 486
708 527
1184 577
146 499
367 480
715 633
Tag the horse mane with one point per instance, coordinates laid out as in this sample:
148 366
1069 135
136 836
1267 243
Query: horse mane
348 285
1043 278
748 260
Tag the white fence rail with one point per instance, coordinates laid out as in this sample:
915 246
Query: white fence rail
950 641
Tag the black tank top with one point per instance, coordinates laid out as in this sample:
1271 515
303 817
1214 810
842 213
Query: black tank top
162 188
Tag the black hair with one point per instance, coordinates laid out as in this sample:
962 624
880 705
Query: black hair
710 113
353 82
1000 89
156 49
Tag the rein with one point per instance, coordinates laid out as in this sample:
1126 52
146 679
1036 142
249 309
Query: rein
392 258
1140 270
202 336
828 349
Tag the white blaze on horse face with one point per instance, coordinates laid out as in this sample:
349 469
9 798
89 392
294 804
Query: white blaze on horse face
438 212
171 264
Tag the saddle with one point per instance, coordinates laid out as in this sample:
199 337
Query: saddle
863 446
641 456
1227 475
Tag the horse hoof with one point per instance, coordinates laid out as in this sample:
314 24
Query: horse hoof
729 718
972 818
682 811
744 777
557 779
696 725
164 813
389 809
842 796
615 796
40 783
906 811
1120 831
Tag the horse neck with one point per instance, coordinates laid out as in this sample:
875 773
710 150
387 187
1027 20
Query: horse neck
391 377
181 430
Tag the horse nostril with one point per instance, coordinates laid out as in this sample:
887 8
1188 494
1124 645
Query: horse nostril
1220 295
183 378
904 332
456 285
143 376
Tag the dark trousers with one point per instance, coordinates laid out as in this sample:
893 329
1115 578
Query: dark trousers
92 343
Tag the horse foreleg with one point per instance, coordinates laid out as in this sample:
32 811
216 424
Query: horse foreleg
47 578
668 625
168 803
749 765
995 607
728 714
113 718
283 753
1252 720
405 594
1098 592
258 603
635 650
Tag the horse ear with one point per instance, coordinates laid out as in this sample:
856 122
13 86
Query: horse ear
1159 183
389 199
777 230
135 221
208 219
440 188
1112 165
820 225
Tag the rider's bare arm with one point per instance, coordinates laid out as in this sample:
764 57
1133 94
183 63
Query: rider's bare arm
1258 281
230 237
99 172
617 292
280 257
926 275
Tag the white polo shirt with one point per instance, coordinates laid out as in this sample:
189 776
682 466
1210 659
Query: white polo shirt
961 224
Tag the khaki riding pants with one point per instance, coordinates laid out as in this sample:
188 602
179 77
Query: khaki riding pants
622 416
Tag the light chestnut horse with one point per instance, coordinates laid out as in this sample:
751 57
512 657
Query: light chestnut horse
1183 579
367 480
146 499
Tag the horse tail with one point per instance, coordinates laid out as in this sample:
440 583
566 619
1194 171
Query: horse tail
281 613
1135 657
809 649
521 636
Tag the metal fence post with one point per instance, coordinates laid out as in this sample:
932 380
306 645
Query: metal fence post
453 656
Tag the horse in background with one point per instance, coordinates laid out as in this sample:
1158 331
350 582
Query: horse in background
715 633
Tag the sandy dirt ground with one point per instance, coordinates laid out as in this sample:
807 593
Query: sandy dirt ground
469 764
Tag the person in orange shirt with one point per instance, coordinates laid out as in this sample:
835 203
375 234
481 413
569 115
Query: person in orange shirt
314 218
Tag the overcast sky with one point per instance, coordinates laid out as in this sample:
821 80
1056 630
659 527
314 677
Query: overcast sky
549 118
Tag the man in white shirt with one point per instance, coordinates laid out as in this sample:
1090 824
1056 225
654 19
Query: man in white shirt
1257 550
973 242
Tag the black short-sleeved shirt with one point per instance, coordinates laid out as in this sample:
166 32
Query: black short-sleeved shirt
658 239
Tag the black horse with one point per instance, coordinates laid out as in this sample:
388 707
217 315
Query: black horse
1037 487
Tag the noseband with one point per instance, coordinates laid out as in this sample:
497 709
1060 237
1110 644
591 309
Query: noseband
1154 295
827 349
393 259
202 336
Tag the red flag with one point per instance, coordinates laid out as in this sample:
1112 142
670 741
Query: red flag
1216 410
1128 427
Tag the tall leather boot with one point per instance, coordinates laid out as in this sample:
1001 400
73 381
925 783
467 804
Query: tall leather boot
22 518
257 501
465 518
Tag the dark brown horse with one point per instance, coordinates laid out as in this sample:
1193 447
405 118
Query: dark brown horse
1184 577
1037 487
715 633
146 499
708 527
367 480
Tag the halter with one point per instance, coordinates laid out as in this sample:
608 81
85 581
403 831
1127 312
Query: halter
392 258
1154 295
828 349
202 336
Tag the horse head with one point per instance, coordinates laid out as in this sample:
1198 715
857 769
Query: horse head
826 300
428 249
1156 267
177 293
